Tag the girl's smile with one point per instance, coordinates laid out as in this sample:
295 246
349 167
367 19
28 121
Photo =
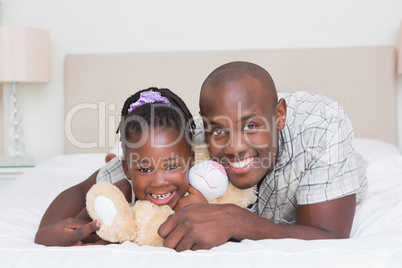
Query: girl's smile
159 167
161 199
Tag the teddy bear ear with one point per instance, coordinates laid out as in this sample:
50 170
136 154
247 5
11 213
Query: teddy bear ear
106 203
105 209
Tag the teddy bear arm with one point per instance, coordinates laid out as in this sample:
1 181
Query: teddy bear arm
240 197
148 218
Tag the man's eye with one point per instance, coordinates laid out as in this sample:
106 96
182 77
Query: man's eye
172 167
218 132
145 170
250 126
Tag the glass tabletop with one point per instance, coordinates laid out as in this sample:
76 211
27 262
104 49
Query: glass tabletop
16 162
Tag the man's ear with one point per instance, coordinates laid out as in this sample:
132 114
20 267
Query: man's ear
125 169
280 114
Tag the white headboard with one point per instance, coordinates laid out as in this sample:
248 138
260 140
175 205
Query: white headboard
362 79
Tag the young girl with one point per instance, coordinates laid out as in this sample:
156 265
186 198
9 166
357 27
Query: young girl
156 131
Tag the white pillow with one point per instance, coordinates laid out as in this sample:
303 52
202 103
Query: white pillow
373 150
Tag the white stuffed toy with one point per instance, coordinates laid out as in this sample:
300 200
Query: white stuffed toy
139 222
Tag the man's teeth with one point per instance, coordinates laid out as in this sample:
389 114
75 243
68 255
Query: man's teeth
161 196
241 164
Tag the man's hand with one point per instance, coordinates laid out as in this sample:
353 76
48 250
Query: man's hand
199 226
203 226
194 196
69 232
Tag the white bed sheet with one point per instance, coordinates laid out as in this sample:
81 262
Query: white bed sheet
376 234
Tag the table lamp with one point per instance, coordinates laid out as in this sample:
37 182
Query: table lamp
24 58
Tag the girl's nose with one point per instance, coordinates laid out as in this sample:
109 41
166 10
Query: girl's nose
160 179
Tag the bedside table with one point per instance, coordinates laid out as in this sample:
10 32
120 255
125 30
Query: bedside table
11 168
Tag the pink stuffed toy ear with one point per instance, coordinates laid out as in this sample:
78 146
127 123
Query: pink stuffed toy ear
210 178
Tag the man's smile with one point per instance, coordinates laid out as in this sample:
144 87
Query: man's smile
241 166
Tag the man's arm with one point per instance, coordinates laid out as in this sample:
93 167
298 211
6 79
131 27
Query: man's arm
203 226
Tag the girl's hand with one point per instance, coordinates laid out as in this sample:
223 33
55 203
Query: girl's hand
69 232
194 196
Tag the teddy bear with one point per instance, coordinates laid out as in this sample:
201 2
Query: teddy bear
139 222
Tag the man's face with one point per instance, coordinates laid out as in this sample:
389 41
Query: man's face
241 129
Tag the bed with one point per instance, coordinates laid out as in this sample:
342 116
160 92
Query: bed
362 79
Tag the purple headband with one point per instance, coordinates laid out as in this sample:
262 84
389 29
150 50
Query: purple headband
148 97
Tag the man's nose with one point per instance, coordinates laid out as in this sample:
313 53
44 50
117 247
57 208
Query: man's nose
236 144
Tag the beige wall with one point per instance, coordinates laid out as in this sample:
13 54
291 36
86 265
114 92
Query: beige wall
104 26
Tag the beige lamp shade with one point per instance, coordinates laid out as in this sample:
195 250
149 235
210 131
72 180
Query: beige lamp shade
24 55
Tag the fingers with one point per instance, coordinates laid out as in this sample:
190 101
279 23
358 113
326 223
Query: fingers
185 244
174 240
194 227
174 235
86 230
192 190
197 196
101 242
178 241
167 227
68 232
171 233
97 243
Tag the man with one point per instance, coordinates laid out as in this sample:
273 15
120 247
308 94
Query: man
298 152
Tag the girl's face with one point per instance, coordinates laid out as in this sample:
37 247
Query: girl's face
159 167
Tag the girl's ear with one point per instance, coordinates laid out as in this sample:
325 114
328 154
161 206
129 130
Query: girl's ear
125 169
280 114
192 158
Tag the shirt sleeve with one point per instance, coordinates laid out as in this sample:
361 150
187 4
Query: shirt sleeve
331 163
111 172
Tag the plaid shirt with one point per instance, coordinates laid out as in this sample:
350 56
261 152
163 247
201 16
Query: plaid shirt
316 162
111 172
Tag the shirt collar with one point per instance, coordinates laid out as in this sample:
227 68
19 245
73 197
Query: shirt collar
285 148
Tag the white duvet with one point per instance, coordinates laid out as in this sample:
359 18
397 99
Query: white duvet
376 239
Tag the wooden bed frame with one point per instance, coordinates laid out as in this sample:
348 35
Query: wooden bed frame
362 79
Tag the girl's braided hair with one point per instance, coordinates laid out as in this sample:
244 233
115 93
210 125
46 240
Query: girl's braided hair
177 115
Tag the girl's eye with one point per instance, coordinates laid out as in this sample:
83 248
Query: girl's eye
250 126
218 132
145 170
172 167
